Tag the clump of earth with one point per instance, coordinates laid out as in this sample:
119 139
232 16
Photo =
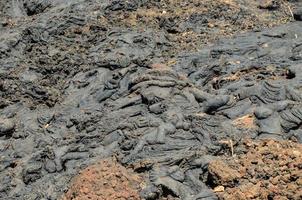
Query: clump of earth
106 179
265 169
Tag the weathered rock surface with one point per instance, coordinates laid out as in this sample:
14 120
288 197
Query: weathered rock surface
75 88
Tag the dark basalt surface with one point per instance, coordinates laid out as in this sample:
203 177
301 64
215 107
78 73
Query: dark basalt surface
70 97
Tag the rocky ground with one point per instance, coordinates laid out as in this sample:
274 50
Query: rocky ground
261 170
105 180
166 99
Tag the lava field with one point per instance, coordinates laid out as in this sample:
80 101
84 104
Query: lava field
150 99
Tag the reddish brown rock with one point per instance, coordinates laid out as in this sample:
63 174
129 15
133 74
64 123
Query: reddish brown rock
272 171
106 180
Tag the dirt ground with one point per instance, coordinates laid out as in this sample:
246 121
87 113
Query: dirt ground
105 180
260 170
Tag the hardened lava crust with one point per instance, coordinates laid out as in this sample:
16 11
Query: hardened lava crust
150 99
